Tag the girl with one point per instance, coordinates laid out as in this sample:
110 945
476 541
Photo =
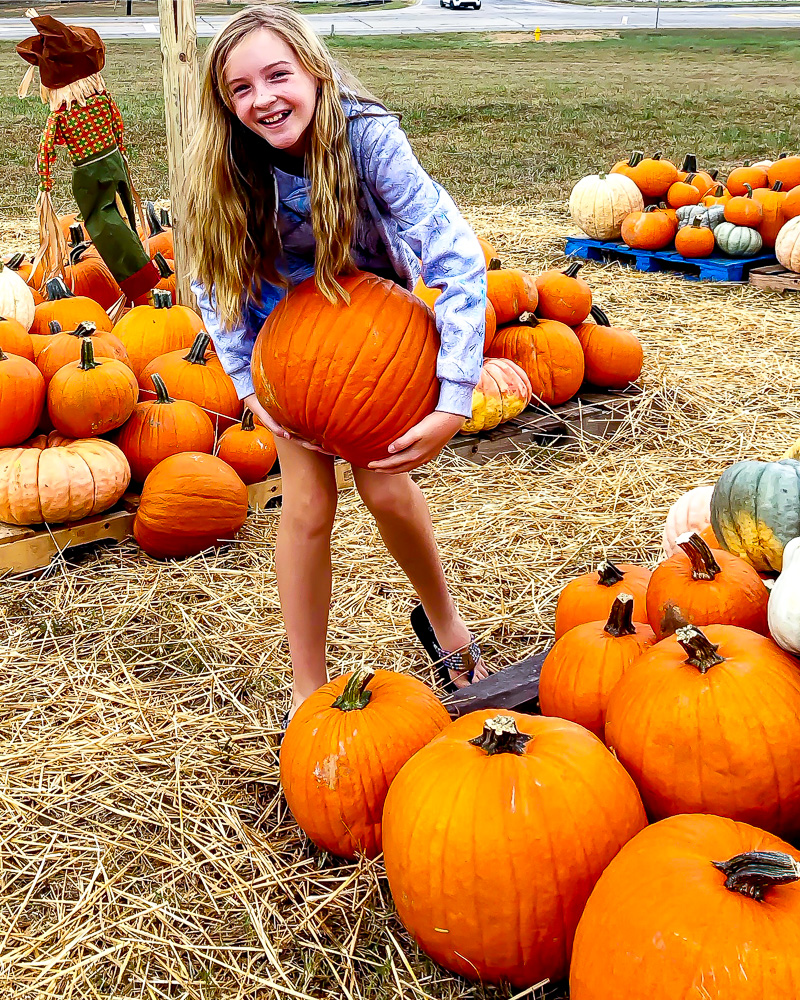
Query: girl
297 171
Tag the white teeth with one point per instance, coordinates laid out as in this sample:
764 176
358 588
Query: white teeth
272 119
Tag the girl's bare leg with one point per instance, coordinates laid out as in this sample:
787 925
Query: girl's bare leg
303 561
404 521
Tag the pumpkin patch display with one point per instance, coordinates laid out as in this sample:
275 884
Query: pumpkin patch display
190 502
503 391
545 801
755 510
580 671
693 906
65 346
89 397
599 203
699 587
511 291
548 352
709 721
337 355
21 398
648 230
56 480
695 240
15 339
150 331
162 427
590 597
248 448
343 749
563 296
67 310
613 356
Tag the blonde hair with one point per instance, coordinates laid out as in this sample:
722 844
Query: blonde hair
232 213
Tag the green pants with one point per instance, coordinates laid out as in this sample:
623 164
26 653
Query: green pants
96 184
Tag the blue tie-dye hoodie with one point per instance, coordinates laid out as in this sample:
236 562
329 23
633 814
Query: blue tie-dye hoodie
403 215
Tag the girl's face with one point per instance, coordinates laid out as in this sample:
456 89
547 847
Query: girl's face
270 91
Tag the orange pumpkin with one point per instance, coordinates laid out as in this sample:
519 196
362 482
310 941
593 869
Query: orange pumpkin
168 282
698 900
771 200
64 347
338 355
162 427
563 296
68 310
647 230
87 274
742 178
785 169
512 292
702 180
545 801
87 398
248 448
344 747
548 352
590 597
66 222
744 210
654 176
489 252
21 398
160 238
15 339
613 356
709 721
580 671
683 193
41 340
189 503
791 203
695 240
628 166
430 295
718 195
150 331
24 269
699 587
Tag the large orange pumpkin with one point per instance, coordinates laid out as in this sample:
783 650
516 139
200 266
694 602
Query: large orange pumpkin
511 291
590 597
162 427
494 835
651 229
248 448
654 176
344 747
548 352
189 503
150 331
613 356
771 200
563 296
699 587
785 169
350 378
21 398
64 347
709 721
86 398
580 671
693 907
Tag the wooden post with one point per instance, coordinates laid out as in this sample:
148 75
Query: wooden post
181 100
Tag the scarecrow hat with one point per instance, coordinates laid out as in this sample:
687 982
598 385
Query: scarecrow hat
64 53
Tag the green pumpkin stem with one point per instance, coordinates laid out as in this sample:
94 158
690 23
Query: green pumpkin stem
87 356
494 264
635 158
702 653
571 270
754 873
354 696
15 261
689 178
718 191
163 267
608 574
777 186
656 156
197 352
57 289
713 174
749 191
599 316
162 396
153 222
54 327
704 565
3 355
500 735
77 251
620 619
164 218
76 234
248 423
697 222
162 299
689 164
86 328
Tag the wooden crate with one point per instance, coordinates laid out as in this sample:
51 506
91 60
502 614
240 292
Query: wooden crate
29 549
515 687
775 278
591 414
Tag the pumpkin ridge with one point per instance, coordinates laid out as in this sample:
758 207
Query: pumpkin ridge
320 387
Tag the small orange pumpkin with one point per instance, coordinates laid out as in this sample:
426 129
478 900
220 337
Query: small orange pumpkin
511 291
648 230
430 295
744 177
654 176
695 240
68 310
21 398
613 356
66 346
590 597
628 166
744 210
683 193
87 274
87 398
563 296
16 262
249 449
150 331
717 196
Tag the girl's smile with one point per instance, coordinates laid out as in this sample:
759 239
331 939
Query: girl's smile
270 91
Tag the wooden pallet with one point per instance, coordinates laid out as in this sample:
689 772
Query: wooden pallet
592 414
715 268
515 687
29 549
776 278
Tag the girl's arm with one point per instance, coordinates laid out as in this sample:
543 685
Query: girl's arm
452 260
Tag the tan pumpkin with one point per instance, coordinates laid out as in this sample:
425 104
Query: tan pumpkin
787 245
599 203
16 298
503 391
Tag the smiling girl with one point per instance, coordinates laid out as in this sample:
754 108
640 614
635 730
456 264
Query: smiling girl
297 171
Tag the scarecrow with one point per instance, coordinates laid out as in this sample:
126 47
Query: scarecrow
84 118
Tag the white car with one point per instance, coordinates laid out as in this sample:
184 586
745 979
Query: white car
461 4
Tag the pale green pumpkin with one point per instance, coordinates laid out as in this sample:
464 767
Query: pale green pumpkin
738 241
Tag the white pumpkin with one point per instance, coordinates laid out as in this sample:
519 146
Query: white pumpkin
690 512
600 202
16 299
787 244
764 164
738 241
783 610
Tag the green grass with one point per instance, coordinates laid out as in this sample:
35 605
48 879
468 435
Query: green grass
493 120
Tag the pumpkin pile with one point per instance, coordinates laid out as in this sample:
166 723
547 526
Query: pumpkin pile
651 204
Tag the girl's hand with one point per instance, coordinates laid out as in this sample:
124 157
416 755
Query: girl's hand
421 444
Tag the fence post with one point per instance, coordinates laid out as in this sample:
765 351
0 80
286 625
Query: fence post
181 99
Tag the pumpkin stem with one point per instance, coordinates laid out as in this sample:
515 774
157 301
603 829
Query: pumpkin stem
87 356
163 267
162 299
713 174
782 156
494 264
697 222
500 735
701 651
153 223
197 353
3 355
57 289
608 574
718 190
704 565
749 191
75 234
354 696
164 219
77 250
162 396
54 327
689 178
656 156
599 316
572 269
777 186
527 319
248 423
86 328
15 261
754 873
689 164
635 158
620 620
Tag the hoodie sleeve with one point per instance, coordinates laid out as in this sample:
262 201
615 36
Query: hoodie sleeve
429 222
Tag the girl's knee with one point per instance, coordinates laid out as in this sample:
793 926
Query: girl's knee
309 514
387 496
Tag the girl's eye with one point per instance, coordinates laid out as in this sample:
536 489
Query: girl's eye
279 75
240 89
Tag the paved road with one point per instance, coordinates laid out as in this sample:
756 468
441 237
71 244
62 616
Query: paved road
495 15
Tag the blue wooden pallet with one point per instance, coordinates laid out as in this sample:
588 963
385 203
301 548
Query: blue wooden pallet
716 268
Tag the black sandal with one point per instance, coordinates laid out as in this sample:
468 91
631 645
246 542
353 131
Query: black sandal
284 724
462 661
